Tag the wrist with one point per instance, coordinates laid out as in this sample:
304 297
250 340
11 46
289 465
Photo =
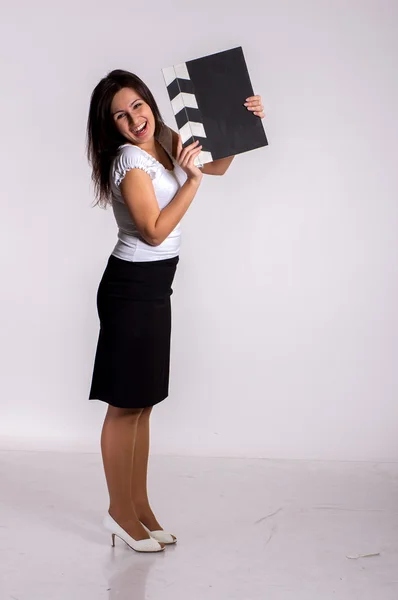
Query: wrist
195 181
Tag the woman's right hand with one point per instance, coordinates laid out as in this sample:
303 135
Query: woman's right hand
185 158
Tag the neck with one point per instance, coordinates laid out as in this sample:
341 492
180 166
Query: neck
149 146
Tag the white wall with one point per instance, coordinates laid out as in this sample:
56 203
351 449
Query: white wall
284 307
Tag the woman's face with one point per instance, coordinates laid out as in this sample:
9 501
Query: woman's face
133 117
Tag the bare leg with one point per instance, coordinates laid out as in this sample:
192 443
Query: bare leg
117 445
139 492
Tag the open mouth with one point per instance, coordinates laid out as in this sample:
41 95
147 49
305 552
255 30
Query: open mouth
141 129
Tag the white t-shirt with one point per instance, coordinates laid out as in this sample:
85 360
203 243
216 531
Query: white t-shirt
131 246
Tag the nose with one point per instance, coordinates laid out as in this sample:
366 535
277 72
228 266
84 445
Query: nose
130 116
133 116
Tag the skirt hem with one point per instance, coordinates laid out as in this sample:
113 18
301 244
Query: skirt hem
111 403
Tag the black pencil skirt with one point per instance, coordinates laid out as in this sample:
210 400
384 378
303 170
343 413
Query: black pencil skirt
132 361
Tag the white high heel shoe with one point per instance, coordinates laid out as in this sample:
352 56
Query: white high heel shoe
147 545
161 536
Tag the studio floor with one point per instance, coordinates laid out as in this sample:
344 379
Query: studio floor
248 529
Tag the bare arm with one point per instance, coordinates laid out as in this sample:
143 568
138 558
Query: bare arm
217 167
138 193
154 224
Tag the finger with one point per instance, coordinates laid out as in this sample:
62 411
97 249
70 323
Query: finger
255 106
188 149
253 98
193 153
196 153
188 161
253 101
193 145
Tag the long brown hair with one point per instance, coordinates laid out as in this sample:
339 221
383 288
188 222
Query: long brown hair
103 138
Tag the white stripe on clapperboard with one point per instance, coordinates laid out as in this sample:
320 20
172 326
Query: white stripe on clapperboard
180 102
183 100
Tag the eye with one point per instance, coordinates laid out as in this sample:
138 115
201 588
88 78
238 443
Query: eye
137 105
120 116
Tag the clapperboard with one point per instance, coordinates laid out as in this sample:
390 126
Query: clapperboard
207 97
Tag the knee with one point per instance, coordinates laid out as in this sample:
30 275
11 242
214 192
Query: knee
126 413
146 412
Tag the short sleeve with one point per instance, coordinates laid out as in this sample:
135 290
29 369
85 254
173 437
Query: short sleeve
132 157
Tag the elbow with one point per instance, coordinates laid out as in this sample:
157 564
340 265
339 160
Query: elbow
155 242
152 239
151 234
148 235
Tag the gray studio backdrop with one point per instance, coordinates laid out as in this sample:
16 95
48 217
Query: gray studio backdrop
285 300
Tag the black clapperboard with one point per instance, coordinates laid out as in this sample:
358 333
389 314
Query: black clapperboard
207 97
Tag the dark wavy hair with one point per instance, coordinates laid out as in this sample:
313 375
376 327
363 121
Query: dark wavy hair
103 138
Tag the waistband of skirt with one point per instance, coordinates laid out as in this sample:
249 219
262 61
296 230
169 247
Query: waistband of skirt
115 260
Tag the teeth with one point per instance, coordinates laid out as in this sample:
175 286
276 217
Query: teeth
140 128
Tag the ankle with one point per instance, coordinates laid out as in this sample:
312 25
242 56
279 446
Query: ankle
122 513
141 504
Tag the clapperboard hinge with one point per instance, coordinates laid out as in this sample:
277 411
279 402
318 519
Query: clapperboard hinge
185 108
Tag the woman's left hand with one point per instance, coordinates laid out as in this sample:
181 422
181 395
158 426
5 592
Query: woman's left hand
255 104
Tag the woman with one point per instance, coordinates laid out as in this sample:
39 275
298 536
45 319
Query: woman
140 167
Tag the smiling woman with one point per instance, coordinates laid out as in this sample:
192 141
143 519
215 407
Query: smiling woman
150 190
117 97
141 169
